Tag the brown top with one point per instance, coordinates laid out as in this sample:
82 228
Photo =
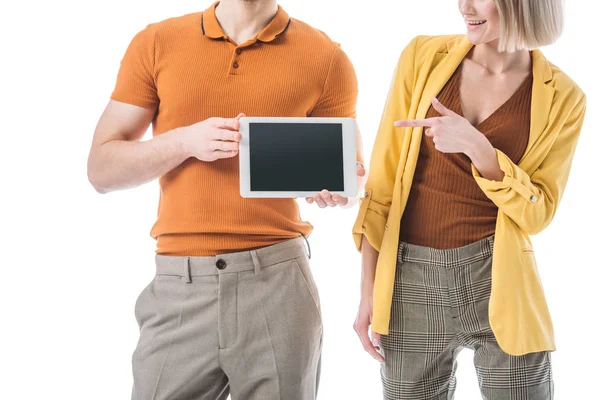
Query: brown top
445 207
188 70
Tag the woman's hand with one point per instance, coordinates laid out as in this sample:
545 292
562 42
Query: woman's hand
361 326
451 132
454 134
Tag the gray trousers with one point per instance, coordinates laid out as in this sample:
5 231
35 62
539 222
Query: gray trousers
440 306
246 324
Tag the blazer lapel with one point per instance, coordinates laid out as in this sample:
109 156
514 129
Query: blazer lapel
442 70
439 66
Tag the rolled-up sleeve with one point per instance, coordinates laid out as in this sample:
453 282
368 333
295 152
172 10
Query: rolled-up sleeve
371 221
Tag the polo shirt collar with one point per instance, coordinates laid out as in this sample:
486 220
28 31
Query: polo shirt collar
212 28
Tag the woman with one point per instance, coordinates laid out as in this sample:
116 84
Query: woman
480 130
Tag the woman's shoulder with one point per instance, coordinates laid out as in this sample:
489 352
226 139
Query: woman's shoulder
437 42
427 44
564 86
422 46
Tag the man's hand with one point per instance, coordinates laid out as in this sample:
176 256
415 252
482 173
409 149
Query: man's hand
213 138
326 199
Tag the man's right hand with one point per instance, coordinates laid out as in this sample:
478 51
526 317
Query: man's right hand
213 138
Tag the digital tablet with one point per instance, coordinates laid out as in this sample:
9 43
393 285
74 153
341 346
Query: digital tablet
297 157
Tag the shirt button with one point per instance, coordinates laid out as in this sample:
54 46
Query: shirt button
221 264
235 65
533 198
239 51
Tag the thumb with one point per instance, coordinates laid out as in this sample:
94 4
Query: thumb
240 115
439 107
360 169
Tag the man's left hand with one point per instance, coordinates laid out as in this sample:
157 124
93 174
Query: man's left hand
326 199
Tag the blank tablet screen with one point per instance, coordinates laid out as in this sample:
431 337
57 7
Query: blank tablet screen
296 157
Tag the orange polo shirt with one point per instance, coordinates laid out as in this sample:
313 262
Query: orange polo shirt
188 70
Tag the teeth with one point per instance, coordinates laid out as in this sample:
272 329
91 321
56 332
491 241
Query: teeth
476 22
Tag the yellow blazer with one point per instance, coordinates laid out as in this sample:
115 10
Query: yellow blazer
527 197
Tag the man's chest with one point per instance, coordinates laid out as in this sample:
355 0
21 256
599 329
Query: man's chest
226 81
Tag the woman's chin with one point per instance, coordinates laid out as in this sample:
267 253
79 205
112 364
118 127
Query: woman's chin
477 39
474 38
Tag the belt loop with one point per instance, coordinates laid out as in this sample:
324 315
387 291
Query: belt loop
255 261
401 252
186 270
308 245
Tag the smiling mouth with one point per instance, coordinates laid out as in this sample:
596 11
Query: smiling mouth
475 23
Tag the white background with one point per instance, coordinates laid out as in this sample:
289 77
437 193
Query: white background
73 261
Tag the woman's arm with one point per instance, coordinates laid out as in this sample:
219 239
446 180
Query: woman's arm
365 309
531 201
374 208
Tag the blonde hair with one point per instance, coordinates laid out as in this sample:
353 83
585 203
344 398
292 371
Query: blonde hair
529 24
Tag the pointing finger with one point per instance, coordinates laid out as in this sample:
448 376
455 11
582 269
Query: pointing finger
415 122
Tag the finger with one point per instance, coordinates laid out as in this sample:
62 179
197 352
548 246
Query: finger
415 122
310 200
224 154
367 345
327 197
320 202
240 115
227 135
340 200
442 109
227 123
219 145
428 132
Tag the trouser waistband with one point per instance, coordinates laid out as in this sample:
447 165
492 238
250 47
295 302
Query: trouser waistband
188 266
449 258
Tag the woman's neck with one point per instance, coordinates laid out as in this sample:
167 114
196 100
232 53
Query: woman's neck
498 63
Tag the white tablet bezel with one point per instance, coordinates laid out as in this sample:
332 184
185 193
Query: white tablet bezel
349 156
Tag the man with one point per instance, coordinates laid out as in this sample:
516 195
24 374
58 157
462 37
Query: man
233 307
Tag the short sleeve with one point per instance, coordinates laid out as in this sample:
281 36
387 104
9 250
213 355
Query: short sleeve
135 80
341 89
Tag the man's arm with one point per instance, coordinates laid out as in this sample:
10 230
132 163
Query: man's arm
118 159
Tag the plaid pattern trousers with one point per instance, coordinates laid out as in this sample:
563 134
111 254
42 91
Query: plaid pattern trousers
440 306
